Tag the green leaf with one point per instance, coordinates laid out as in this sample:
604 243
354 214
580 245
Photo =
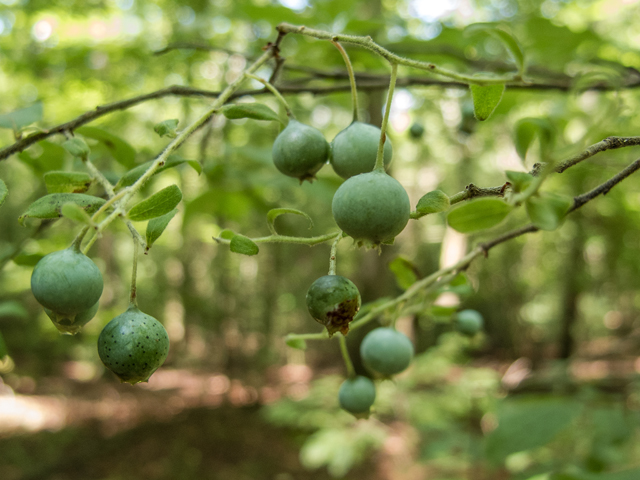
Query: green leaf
134 174
486 99
156 205
77 147
507 39
433 202
13 309
28 260
519 180
50 206
527 129
167 128
119 149
67 182
243 245
257 111
22 117
227 234
478 215
3 347
197 166
156 226
4 191
76 213
44 156
547 210
276 212
405 271
297 343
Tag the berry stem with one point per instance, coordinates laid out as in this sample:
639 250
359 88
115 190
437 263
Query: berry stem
133 298
275 91
383 129
333 258
351 372
352 80
78 240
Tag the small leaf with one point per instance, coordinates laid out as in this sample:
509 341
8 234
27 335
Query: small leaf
459 280
167 128
519 180
433 202
297 343
121 151
3 348
405 271
547 210
526 130
257 111
478 215
243 245
77 147
156 227
13 309
276 212
156 205
44 156
21 118
76 213
486 99
50 206
134 174
26 260
508 40
197 166
67 182
440 311
4 191
227 234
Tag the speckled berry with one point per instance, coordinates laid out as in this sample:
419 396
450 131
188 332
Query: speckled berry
357 394
300 151
355 148
386 351
333 301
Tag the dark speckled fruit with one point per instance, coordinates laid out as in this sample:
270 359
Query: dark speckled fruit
133 345
300 151
71 324
357 394
66 282
371 207
386 351
333 301
355 148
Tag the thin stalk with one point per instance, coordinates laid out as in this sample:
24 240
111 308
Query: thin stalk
311 241
78 240
383 129
352 80
133 299
275 92
351 372
333 258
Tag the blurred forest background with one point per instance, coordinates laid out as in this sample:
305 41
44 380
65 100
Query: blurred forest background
548 392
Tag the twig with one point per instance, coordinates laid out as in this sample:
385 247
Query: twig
609 143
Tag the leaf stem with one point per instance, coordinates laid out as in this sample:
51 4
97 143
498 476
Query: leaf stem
275 91
351 372
352 80
385 120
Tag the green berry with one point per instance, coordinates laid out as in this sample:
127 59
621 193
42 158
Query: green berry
300 151
357 394
371 207
355 148
333 301
71 324
469 322
133 345
67 282
416 131
386 351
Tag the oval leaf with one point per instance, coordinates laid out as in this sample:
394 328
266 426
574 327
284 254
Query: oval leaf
76 213
156 226
485 99
508 40
276 212
44 156
243 245
119 149
4 191
527 129
547 210
50 206
77 147
67 182
433 202
167 128
478 215
519 180
405 271
257 111
21 118
156 205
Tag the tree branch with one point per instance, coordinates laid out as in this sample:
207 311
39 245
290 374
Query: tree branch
609 143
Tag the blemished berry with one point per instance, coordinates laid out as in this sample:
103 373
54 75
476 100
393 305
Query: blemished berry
333 301
372 208
416 130
300 151
71 324
354 150
133 345
386 351
66 282
356 395
469 322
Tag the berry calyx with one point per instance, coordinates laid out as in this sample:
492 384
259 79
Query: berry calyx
71 324
300 151
386 351
333 301
469 322
354 150
67 282
372 208
356 395
133 345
